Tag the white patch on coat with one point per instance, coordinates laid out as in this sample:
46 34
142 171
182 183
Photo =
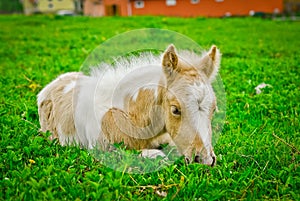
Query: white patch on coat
43 94
200 105
152 87
69 87
144 77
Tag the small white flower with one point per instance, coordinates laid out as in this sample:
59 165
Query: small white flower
261 86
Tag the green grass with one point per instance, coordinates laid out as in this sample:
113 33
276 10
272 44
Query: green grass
258 150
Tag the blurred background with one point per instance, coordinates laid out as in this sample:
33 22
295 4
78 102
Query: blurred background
178 8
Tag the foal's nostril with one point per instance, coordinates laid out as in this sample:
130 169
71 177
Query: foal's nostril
214 161
187 160
197 159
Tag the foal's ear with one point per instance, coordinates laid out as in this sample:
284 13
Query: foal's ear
170 60
210 62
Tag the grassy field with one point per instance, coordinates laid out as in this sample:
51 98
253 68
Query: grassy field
258 150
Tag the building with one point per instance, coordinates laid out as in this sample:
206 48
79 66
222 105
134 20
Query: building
181 8
51 6
107 8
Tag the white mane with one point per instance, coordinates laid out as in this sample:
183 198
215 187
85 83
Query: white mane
123 65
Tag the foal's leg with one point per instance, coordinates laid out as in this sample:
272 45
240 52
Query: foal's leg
153 153
116 121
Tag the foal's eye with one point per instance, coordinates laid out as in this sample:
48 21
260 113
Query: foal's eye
175 111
